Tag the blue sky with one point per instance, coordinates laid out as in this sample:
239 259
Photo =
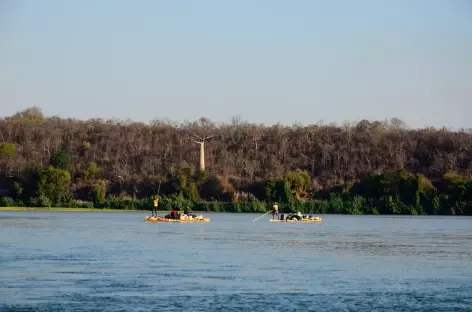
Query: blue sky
266 61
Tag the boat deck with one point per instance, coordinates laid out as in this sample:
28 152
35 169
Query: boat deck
299 221
162 219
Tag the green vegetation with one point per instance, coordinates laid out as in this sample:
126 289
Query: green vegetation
368 168
7 149
396 192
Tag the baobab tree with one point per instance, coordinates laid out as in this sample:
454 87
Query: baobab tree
201 132
201 140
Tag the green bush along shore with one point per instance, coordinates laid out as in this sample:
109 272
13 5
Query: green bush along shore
395 192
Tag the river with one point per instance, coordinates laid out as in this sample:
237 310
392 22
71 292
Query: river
94 261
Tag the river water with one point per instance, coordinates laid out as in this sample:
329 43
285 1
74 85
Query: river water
93 261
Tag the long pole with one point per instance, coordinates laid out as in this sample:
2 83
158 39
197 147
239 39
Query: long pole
261 216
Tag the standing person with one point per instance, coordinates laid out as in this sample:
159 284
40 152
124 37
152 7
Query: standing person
275 212
156 203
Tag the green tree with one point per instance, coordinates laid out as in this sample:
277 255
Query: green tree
30 115
60 160
18 187
191 192
99 190
278 190
7 149
270 191
435 205
54 184
299 182
283 192
92 170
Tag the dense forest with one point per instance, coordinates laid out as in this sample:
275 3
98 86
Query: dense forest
366 167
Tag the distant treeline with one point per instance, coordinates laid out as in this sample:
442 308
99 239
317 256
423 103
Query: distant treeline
366 168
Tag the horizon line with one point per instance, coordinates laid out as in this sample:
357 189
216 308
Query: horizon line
236 119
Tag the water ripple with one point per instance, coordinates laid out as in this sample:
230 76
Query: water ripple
51 261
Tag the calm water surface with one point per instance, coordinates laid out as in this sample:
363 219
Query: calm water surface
66 261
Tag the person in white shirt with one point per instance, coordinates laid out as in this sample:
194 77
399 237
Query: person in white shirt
275 212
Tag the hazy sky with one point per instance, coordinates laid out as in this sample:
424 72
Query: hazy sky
267 61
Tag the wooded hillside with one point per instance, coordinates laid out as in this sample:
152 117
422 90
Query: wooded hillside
132 158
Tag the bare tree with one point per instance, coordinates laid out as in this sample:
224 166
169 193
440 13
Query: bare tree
201 141
201 133
397 124
137 151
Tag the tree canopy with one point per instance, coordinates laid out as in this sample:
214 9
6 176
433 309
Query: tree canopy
125 158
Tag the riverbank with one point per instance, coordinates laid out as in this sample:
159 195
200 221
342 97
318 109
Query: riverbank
65 209
86 209
335 204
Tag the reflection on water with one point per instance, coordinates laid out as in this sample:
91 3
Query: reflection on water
54 261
